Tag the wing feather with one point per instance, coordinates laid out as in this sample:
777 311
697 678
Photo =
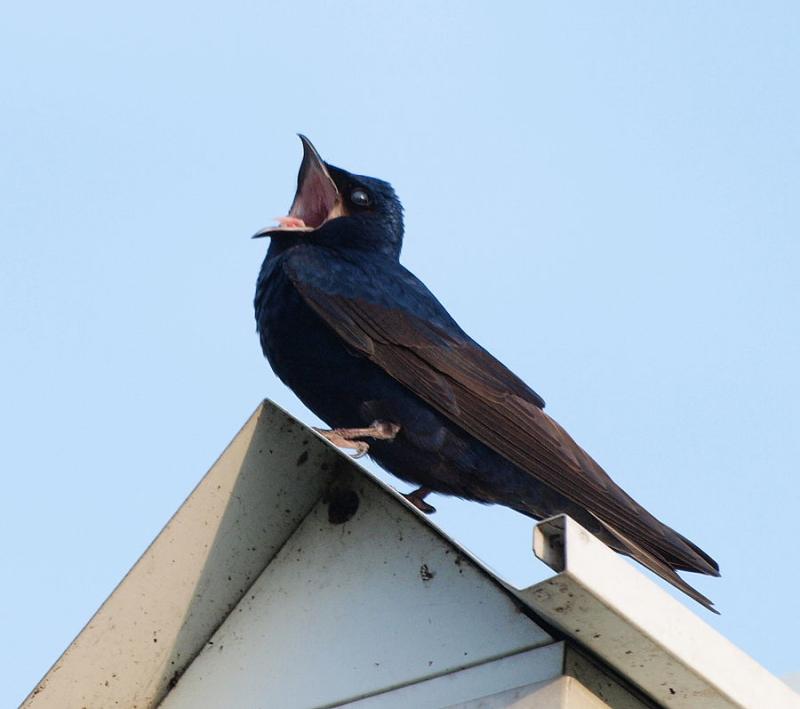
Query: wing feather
465 383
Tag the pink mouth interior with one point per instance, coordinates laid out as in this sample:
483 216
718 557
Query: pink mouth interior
313 203
290 223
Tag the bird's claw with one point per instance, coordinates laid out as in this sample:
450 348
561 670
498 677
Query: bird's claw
417 498
346 437
361 447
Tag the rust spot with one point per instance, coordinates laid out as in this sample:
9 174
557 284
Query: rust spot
425 573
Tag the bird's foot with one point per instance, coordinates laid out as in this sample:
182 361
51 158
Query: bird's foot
417 498
345 437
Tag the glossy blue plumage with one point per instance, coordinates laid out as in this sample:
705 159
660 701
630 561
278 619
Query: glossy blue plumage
346 390
359 338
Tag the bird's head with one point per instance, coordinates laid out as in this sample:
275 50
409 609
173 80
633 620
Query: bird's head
335 206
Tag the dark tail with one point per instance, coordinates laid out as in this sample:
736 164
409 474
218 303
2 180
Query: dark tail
713 566
666 567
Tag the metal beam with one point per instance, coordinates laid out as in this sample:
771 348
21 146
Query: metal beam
602 602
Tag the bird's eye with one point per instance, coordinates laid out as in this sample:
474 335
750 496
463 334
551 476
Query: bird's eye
360 198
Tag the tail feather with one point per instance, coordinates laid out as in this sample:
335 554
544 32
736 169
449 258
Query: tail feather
662 567
713 566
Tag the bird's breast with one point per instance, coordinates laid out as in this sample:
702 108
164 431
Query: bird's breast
307 355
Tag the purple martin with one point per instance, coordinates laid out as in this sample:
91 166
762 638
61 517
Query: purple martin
369 349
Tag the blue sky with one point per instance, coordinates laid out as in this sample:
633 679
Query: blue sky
604 195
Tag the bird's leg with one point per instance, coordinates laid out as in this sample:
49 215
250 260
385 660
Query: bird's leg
345 437
417 498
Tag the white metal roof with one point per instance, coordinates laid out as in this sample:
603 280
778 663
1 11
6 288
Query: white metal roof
603 602
262 567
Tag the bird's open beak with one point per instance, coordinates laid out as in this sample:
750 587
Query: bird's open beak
316 201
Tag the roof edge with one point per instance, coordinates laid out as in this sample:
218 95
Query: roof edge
606 605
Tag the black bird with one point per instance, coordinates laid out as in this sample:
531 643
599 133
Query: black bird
369 349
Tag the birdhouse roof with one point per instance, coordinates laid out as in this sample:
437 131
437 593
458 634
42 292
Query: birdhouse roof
291 576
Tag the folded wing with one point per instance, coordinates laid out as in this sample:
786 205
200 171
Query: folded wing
466 384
